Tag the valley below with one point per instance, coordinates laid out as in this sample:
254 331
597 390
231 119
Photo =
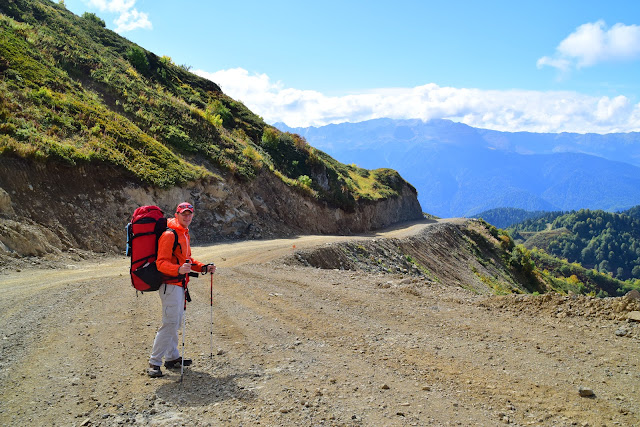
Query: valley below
286 343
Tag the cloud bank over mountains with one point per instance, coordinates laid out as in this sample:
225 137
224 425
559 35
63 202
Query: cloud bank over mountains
504 110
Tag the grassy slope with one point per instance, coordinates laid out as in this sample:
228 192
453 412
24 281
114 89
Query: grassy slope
74 91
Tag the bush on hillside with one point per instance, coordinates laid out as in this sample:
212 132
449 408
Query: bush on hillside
138 59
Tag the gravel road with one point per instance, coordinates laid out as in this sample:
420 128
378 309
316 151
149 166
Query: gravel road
295 345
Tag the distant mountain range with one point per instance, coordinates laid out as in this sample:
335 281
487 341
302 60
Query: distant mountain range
461 171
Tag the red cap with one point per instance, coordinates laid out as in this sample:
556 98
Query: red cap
184 207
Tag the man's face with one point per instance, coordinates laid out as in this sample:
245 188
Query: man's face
184 218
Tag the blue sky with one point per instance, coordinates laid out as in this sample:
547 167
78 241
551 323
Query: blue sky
541 66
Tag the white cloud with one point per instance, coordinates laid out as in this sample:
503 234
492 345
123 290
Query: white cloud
594 43
129 18
113 5
563 65
514 110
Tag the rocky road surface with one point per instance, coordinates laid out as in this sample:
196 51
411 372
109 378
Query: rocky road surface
292 345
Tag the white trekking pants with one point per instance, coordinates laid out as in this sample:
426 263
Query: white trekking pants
166 342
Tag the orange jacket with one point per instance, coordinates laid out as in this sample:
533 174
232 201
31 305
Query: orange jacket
169 261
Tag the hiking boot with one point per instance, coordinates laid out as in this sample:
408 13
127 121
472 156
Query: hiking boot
177 363
154 371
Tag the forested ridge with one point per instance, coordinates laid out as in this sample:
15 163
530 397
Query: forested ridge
506 217
603 241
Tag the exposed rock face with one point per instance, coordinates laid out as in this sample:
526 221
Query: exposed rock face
46 207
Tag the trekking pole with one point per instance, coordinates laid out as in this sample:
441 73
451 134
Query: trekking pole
187 298
211 312
184 323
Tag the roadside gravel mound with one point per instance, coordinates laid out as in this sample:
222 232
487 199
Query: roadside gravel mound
620 309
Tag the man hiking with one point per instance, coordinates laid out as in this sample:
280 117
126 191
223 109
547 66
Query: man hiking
176 265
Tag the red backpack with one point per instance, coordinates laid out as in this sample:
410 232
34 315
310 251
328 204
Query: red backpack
146 226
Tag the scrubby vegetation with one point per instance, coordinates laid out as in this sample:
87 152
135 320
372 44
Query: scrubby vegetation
73 91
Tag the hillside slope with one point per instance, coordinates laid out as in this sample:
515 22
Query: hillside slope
94 125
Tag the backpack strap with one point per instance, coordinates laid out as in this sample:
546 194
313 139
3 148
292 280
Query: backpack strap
175 245
175 239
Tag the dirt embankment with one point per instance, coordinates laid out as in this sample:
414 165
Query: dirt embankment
48 209
289 344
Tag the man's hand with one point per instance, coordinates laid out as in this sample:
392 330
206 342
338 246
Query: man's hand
209 268
185 268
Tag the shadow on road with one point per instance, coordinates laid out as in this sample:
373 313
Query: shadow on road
201 388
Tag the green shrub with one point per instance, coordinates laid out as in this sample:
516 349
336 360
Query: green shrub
506 242
138 58
521 260
253 157
218 108
42 96
26 132
92 17
305 181
389 177
178 138
270 138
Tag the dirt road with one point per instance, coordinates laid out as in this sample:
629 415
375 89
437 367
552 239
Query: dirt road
296 345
